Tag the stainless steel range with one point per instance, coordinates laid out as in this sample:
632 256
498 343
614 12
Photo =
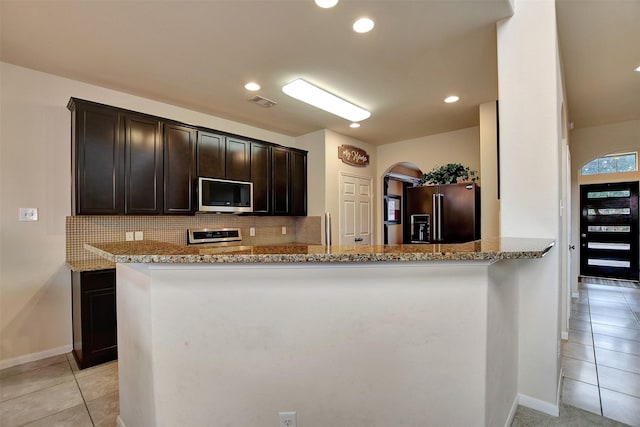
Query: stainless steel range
222 236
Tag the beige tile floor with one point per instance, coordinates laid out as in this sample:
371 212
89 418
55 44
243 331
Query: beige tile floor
53 392
601 358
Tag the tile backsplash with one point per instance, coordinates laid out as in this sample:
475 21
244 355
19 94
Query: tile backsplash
83 229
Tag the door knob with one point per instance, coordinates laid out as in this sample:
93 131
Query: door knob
572 247
359 239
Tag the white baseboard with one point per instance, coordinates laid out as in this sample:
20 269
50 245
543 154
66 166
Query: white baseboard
120 423
7 363
512 412
539 405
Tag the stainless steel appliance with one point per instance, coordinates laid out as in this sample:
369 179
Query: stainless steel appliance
454 211
224 236
223 195
420 228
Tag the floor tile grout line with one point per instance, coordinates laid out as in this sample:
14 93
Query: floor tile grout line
84 401
29 370
51 386
35 391
620 392
595 359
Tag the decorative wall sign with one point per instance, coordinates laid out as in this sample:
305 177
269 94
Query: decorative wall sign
353 156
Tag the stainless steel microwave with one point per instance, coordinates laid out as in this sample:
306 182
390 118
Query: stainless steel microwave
223 195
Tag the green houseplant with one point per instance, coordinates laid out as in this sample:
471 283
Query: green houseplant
448 174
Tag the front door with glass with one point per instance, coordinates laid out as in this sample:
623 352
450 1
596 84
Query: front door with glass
609 230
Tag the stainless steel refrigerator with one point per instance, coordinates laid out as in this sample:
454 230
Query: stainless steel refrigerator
451 212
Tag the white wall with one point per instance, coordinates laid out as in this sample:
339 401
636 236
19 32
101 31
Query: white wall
35 171
357 346
593 142
490 204
460 146
316 165
529 84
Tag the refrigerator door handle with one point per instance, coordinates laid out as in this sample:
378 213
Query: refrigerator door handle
437 216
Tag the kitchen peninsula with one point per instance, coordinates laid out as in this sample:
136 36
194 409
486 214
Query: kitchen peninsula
357 335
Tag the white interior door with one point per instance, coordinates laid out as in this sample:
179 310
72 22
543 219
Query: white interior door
355 209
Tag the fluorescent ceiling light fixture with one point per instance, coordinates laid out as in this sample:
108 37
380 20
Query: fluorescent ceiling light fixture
451 99
306 92
363 25
354 125
252 86
326 4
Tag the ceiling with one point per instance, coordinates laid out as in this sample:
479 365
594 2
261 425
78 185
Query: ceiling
199 55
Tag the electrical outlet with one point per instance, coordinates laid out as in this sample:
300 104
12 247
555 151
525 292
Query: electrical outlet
138 235
128 236
28 214
287 419
252 231
284 230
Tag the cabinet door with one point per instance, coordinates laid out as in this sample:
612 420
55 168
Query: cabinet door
179 169
94 317
210 155
280 159
98 152
238 164
261 177
298 177
143 177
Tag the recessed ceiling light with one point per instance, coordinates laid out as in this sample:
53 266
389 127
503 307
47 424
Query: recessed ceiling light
354 125
326 4
363 25
451 99
306 92
252 86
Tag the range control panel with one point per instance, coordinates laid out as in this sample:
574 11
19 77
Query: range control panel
213 235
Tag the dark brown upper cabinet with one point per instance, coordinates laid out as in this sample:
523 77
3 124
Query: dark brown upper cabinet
298 188
280 165
117 161
179 169
143 163
210 155
289 181
98 158
238 159
126 162
261 177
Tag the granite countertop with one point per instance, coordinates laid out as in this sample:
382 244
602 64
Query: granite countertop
149 251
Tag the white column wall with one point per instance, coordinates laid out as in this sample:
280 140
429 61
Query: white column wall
350 344
490 204
530 134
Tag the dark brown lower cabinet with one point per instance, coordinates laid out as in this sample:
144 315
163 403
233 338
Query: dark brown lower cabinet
95 337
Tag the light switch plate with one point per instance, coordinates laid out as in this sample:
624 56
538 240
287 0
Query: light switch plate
138 235
28 214
252 231
128 236
284 229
